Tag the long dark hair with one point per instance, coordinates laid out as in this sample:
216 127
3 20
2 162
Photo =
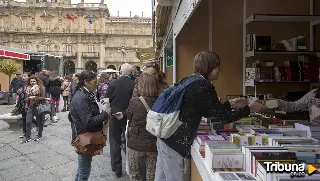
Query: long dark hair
85 76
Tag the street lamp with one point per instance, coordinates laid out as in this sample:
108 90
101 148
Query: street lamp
123 51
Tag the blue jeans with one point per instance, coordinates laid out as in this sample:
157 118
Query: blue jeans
84 167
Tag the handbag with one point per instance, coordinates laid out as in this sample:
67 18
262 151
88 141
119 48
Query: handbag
91 143
44 108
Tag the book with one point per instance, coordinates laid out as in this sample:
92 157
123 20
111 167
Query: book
223 155
202 139
279 126
247 128
234 176
249 139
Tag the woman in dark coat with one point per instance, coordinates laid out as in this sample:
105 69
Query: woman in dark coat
54 86
86 117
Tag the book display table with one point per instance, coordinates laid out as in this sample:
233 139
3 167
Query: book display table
199 169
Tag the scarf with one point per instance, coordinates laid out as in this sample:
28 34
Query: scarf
92 96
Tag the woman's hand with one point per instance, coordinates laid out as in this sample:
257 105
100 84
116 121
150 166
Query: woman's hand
238 102
118 115
256 107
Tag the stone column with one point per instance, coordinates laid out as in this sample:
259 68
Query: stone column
79 64
102 55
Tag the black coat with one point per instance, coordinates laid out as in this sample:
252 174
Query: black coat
119 93
85 113
54 86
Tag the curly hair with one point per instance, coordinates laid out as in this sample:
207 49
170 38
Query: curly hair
39 82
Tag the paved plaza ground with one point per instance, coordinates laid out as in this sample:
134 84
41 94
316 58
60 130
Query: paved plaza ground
51 159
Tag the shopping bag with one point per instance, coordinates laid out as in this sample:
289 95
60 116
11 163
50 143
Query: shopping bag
127 153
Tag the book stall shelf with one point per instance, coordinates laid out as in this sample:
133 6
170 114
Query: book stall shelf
279 47
205 172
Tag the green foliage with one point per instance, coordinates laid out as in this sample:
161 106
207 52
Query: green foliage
9 67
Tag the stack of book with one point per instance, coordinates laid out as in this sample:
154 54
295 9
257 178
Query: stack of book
249 139
248 128
201 140
204 129
241 150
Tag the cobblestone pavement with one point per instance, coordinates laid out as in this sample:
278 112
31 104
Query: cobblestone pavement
51 159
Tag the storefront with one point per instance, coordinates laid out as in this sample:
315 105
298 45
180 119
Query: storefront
18 57
182 28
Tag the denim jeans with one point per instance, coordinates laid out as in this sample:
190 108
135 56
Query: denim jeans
84 167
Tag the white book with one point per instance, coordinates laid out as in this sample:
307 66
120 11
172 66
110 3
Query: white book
226 156
234 176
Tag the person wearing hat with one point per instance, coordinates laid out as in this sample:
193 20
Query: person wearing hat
15 85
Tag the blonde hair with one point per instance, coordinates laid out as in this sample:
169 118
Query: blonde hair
148 85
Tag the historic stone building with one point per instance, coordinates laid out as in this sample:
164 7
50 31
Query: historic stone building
84 34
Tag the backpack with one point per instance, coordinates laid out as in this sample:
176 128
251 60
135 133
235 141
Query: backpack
163 118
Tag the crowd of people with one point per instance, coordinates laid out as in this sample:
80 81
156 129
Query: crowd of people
130 97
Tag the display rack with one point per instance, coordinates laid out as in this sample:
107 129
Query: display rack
281 18
205 172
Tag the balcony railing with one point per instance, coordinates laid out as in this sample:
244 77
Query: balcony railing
62 53
89 5
90 54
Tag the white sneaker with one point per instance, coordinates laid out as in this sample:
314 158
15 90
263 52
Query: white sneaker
55 119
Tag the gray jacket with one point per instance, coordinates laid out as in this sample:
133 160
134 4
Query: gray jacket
299 105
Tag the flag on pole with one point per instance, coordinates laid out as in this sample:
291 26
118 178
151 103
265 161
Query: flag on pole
90 20
70 17
45 13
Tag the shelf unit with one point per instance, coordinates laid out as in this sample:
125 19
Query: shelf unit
314 19
284 82
280 18
255 53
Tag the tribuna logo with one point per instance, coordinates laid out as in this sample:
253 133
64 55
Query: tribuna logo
295 170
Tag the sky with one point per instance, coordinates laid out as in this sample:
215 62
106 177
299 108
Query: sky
125 6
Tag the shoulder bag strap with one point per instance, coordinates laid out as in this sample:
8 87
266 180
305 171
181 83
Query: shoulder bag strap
144 103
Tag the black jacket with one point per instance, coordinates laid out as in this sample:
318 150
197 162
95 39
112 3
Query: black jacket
200 100
119 93
85 113
54 86
16 84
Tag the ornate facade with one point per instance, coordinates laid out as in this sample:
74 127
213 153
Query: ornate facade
84 34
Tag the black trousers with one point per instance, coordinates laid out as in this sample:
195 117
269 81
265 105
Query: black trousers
32 112
116 129
24 121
